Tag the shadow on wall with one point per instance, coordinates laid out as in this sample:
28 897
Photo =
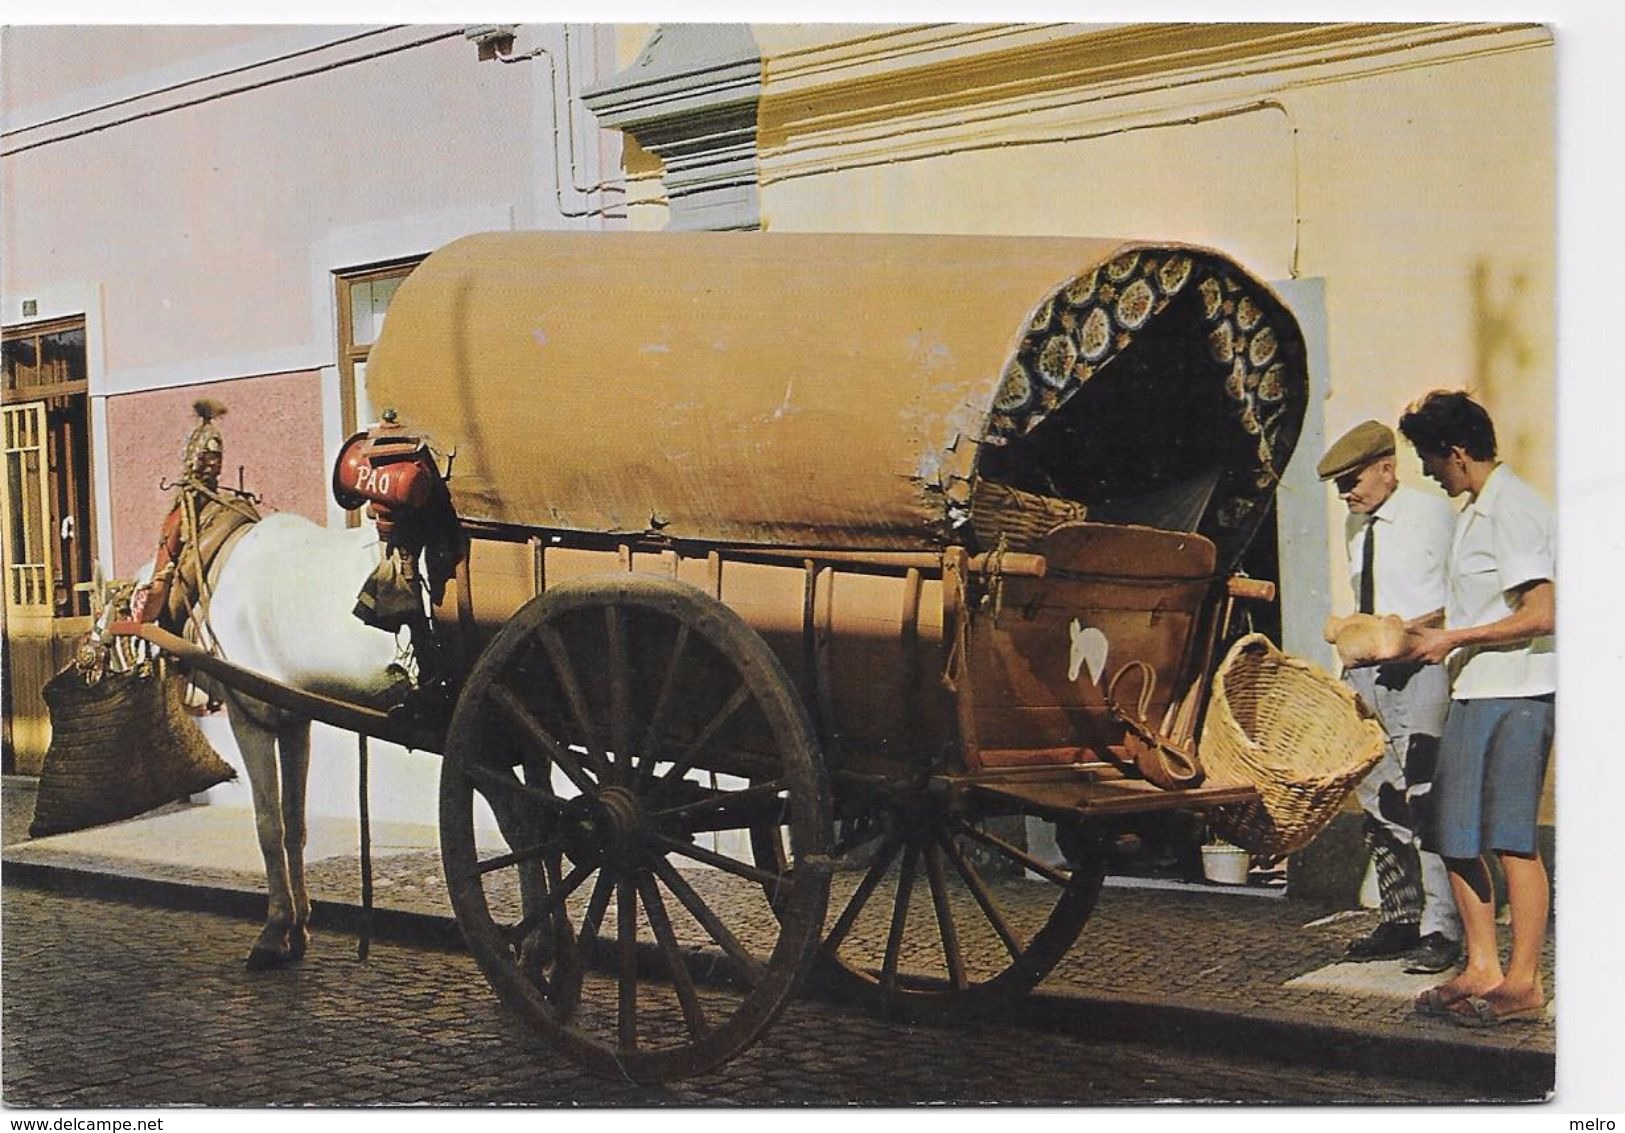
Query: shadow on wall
1502 361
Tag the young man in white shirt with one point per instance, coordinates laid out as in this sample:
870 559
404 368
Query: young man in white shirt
1498 627
1398 541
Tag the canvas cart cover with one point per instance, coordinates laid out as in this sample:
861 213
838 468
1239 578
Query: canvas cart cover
842 390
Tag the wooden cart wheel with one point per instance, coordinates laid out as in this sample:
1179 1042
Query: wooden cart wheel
609 753
936 913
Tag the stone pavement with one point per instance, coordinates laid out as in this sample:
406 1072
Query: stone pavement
1189 966
113 1005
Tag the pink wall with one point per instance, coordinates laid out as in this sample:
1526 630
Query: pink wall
273 428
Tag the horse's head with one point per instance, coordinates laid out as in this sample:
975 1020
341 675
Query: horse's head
99 650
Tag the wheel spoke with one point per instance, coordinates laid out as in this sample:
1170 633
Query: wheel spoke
899 919
686 764
721 861
1020 857
538 770
494 778
532 966
516 710
860 896
945 917
615 631
749 965
978 888
553 901
682 980
550 870
657 718
525 854
626 932
553 643
597 904
743 807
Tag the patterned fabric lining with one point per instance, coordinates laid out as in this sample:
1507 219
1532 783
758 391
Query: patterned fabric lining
1087 324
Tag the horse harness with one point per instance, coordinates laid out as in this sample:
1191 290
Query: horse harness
200 526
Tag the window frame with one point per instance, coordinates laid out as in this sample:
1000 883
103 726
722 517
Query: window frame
43 391
351 353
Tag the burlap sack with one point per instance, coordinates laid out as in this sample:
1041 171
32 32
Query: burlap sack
119 748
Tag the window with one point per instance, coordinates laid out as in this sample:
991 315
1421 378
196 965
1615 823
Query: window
363 301
51 356
48 543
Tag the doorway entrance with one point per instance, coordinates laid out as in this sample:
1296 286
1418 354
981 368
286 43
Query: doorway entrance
47 525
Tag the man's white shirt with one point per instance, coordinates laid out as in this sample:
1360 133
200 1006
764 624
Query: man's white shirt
1504 539
1412 552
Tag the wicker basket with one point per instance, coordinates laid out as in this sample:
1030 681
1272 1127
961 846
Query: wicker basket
1298 735
1020 518
119 747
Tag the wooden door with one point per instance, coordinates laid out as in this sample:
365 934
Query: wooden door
47 526
28 576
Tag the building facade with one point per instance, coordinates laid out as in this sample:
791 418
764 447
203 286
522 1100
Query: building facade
1394 182
224 212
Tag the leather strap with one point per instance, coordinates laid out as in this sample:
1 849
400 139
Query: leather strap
1163 762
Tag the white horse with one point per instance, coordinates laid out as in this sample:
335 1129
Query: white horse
281 606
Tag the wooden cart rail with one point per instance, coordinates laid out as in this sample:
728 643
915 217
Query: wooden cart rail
878 561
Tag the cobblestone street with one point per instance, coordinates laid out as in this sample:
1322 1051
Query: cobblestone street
109 1004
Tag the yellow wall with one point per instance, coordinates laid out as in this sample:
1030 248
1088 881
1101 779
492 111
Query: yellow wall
1430 209
1414 174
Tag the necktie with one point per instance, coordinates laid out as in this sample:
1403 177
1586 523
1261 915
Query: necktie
1368 574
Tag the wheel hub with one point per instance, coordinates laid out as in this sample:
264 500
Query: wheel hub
622 817
610 826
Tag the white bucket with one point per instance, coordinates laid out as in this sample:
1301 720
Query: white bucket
1225 864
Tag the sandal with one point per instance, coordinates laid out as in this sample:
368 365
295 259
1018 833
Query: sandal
1476 1011
1435 1001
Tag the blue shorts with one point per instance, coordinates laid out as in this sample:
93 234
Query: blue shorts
1492 764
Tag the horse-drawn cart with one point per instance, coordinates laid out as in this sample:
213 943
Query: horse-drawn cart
825 602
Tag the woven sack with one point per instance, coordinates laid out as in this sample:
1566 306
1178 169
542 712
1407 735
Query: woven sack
119 748
1297 734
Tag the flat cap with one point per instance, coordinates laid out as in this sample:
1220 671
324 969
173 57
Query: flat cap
1356 448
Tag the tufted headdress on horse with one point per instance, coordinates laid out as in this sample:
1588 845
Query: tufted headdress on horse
204 441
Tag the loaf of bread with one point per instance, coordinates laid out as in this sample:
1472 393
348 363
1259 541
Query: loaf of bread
1365 639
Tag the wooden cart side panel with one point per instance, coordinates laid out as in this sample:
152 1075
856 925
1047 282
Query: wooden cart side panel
1043 652
868 653
1031 691
884 680
873 683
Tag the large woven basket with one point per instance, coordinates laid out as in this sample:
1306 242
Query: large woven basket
119 747
1297 734
1020 518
